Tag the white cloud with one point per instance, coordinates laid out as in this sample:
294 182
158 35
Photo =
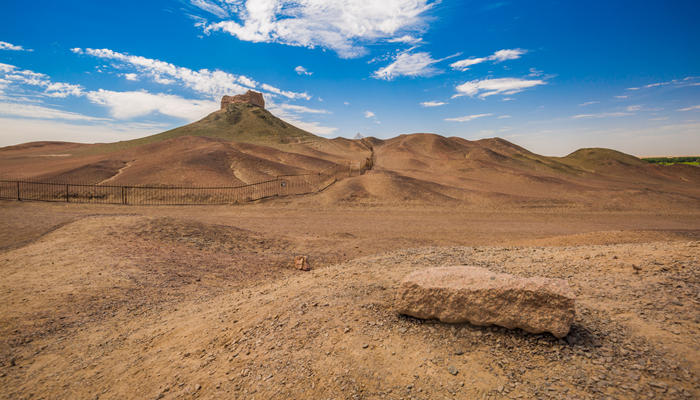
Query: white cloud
504 116
489 87
409 64
302 71
678 83
213 83
10 46
22 130
131 76
602 115
432 103
11 75
289 113
41 112
588 103
285 93
634 108
314 127
468 118
407 39
535 72
507 54
691 108
499 56
342 26
622 97
210 8
369 114
126 105
464 65
301 109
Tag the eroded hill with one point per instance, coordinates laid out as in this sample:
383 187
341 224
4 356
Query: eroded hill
244 143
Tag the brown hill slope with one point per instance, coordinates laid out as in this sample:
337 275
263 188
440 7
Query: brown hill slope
244 143
494 172
241 143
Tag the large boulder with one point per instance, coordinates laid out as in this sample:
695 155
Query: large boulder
481 297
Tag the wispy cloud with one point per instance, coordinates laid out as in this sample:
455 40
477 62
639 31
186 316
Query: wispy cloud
468 118
406 39
687 81
432 103
499 56
691 108
22 130
210 7
12 75
204 81
41 112
12 47
302 71
489 87
407 63
301 109
127 105
602 115
292 114
344 27
588 103
369 114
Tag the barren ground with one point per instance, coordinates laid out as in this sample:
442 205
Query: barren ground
201 302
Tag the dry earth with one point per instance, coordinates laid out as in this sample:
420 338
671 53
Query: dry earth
201 302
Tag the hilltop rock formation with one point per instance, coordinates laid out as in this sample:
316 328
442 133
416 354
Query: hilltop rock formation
250 97
476 295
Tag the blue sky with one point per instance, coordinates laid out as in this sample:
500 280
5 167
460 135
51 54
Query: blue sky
553 76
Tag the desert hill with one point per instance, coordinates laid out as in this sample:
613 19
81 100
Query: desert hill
244 143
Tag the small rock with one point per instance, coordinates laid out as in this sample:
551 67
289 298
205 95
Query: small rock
364 346
452 370
302 263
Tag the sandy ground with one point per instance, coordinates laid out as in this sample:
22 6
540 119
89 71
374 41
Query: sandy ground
184 302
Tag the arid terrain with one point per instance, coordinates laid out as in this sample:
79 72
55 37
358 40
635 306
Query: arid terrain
118 301
202 302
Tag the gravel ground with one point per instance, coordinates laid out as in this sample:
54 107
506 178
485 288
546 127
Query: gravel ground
182 309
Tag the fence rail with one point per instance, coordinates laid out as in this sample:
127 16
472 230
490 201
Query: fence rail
164 195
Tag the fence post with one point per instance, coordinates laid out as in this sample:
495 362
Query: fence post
123 195
67 193
19 198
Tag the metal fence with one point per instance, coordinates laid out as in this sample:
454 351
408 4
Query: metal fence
165 195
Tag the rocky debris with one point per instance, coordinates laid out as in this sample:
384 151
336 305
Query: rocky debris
302 263
250 97
476 295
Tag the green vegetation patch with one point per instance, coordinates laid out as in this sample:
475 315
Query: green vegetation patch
693 160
